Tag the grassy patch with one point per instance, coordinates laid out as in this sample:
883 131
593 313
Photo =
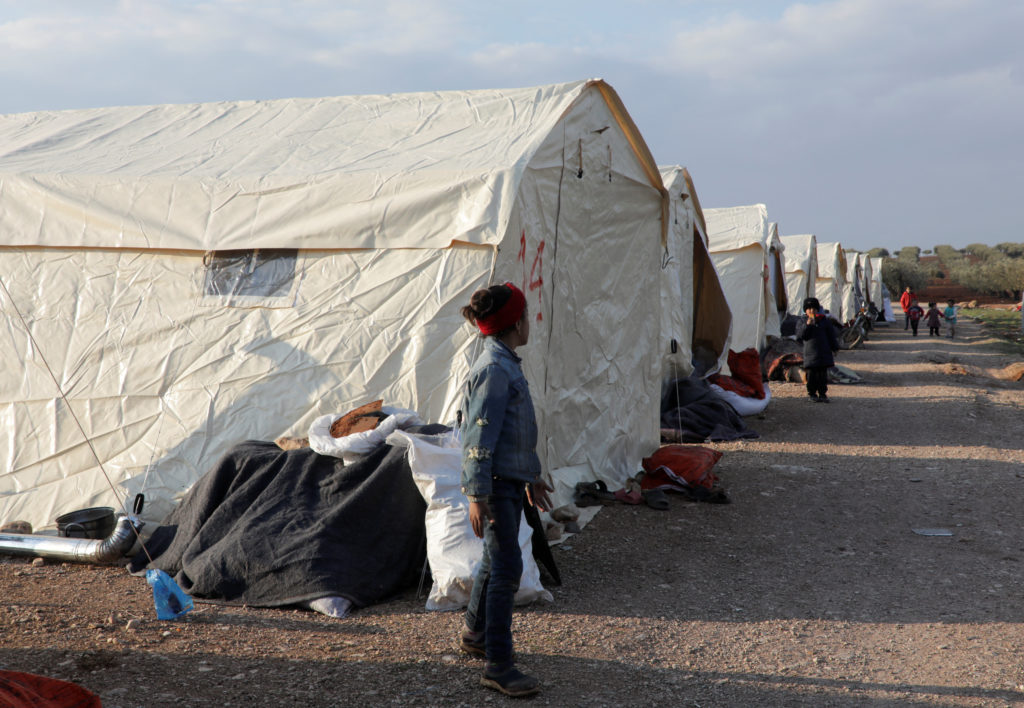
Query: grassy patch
1003 324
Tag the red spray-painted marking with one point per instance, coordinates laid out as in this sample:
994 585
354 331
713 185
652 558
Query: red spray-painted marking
536 279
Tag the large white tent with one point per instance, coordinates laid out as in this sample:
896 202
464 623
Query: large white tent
853 292
738 240
875 293
878 293
801 268
867 275
777 271
831 278
199 275
695 313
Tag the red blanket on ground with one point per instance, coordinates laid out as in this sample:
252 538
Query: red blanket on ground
679 466
21 690
746 374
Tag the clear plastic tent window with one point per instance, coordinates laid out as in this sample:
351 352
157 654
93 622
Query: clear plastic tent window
263 273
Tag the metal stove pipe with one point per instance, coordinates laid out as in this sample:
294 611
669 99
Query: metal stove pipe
106 550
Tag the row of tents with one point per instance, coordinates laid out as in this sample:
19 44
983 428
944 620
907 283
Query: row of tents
181 278
742 241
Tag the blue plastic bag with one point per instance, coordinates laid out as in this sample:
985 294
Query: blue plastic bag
170 600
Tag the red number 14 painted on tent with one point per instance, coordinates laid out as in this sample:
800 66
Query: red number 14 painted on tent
536 279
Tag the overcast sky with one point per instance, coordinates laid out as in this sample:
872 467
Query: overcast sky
869 122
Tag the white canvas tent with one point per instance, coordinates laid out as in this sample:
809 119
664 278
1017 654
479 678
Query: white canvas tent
831 278
853 294
777 270
801 267
875 293
866 277
695 314
878 293
199 275
738 240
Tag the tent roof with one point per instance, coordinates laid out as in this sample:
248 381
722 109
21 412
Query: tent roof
773 237
800 252
678 182
401 170
853 260
876 269
733 228
831 261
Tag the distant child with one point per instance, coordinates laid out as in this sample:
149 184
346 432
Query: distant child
950 314
932 317
820 342
914 315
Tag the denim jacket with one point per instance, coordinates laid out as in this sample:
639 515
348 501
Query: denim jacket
499 428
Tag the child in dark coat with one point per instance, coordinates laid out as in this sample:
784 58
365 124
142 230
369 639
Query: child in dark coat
914 313
820 343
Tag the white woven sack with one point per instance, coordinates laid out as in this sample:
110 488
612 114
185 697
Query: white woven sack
453 550
351 447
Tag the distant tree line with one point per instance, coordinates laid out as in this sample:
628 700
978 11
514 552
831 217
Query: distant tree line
989 270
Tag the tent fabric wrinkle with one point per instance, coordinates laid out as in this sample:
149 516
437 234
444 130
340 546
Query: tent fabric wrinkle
303 173
238 192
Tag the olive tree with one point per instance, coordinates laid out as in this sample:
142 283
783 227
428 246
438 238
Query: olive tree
898 273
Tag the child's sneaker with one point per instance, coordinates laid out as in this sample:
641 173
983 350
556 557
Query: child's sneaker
511 682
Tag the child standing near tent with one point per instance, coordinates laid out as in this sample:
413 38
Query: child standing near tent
499 466
914 315
933 317
950 314
820 344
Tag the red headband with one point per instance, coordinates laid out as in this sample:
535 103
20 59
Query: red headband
506 315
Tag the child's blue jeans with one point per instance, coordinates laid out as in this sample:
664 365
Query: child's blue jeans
497 579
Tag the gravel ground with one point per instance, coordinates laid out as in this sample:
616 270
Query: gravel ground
810 589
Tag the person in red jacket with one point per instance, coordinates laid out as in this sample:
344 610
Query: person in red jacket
906 298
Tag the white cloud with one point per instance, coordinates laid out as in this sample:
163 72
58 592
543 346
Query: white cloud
292 31
863 41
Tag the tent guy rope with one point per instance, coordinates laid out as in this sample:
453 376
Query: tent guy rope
71 410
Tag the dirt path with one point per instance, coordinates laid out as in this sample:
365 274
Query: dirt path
810 589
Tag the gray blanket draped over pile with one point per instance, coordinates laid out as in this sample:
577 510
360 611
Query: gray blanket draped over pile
266 527
692 412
